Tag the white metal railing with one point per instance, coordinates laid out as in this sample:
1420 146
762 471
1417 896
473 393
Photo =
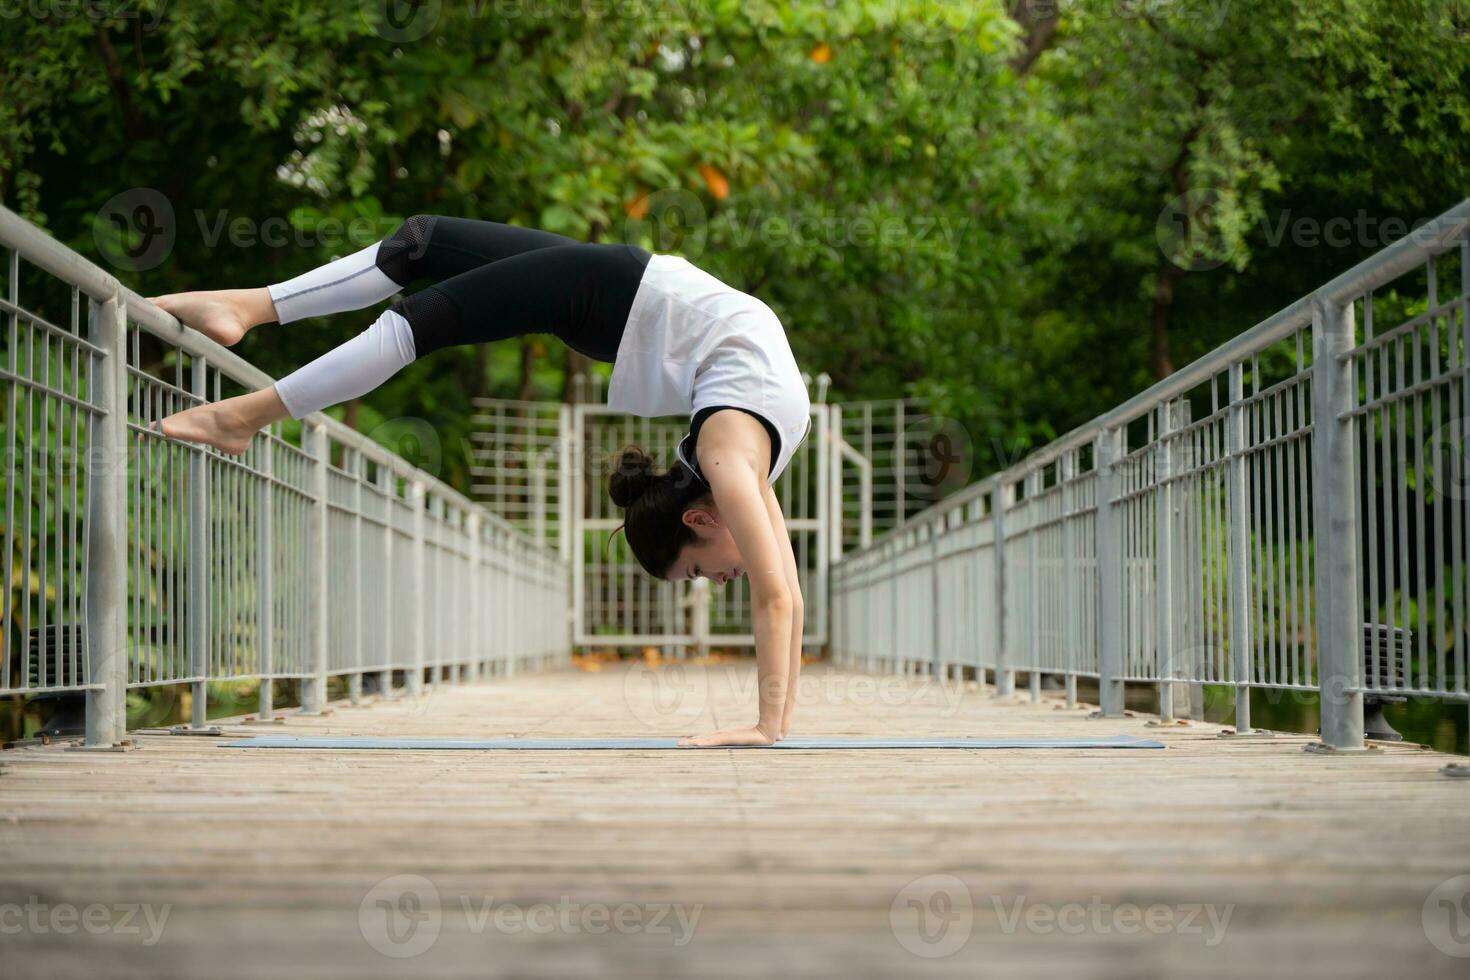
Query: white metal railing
132 560
1268 516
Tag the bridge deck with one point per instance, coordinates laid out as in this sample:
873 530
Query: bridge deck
562 863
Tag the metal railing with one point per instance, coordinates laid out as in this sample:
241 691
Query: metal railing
1239 523
132 560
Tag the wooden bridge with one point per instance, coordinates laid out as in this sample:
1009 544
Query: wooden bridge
1217 856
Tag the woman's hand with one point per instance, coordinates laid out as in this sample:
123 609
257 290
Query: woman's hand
754 736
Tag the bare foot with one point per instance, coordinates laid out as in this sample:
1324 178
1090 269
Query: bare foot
216 424
222 315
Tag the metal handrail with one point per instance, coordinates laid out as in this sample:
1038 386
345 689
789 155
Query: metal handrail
141 563
1376 270
50 255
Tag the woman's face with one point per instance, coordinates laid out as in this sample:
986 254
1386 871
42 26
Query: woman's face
712 554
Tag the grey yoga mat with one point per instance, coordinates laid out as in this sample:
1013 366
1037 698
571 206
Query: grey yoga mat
319 742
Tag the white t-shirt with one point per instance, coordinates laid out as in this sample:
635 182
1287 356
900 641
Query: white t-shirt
693 342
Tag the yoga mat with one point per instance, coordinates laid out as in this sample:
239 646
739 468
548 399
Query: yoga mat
317 742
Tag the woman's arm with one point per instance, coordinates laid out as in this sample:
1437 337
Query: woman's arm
734 453
793 582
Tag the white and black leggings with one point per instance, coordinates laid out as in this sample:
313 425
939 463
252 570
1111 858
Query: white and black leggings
489 281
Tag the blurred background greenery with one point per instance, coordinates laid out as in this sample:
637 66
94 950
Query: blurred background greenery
1023 211
967 201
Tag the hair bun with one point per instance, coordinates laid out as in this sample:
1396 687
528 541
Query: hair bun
632 475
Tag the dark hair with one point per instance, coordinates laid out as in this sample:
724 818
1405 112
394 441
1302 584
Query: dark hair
653 505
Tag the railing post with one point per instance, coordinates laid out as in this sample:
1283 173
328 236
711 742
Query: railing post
474 607
1108 449
834 484
314 688
936 610
1239 549
1005 679
359 473
1033 604
265 551
200 603
387 483
1163 563
107 532
415 679
1066 474
1335 526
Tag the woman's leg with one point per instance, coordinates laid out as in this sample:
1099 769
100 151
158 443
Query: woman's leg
582 293
433 247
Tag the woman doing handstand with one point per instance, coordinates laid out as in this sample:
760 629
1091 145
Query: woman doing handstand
680 341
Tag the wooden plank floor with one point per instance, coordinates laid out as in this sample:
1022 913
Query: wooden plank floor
1055 863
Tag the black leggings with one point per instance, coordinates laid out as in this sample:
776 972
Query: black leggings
491 281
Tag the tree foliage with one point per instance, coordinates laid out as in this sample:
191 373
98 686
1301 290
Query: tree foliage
1022 211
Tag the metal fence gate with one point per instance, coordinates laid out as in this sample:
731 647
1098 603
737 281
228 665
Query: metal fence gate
617 604
543 466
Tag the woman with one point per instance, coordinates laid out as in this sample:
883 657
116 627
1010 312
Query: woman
679 340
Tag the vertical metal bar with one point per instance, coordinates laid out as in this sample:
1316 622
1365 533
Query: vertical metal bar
416 496
577 457
1071 565
936 609
565 477
1339 662
265 550
823 555
1108 449
107 532
1005 678
390 580
358 469
314 688
1238 578
1163 563
199 557
1033 600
